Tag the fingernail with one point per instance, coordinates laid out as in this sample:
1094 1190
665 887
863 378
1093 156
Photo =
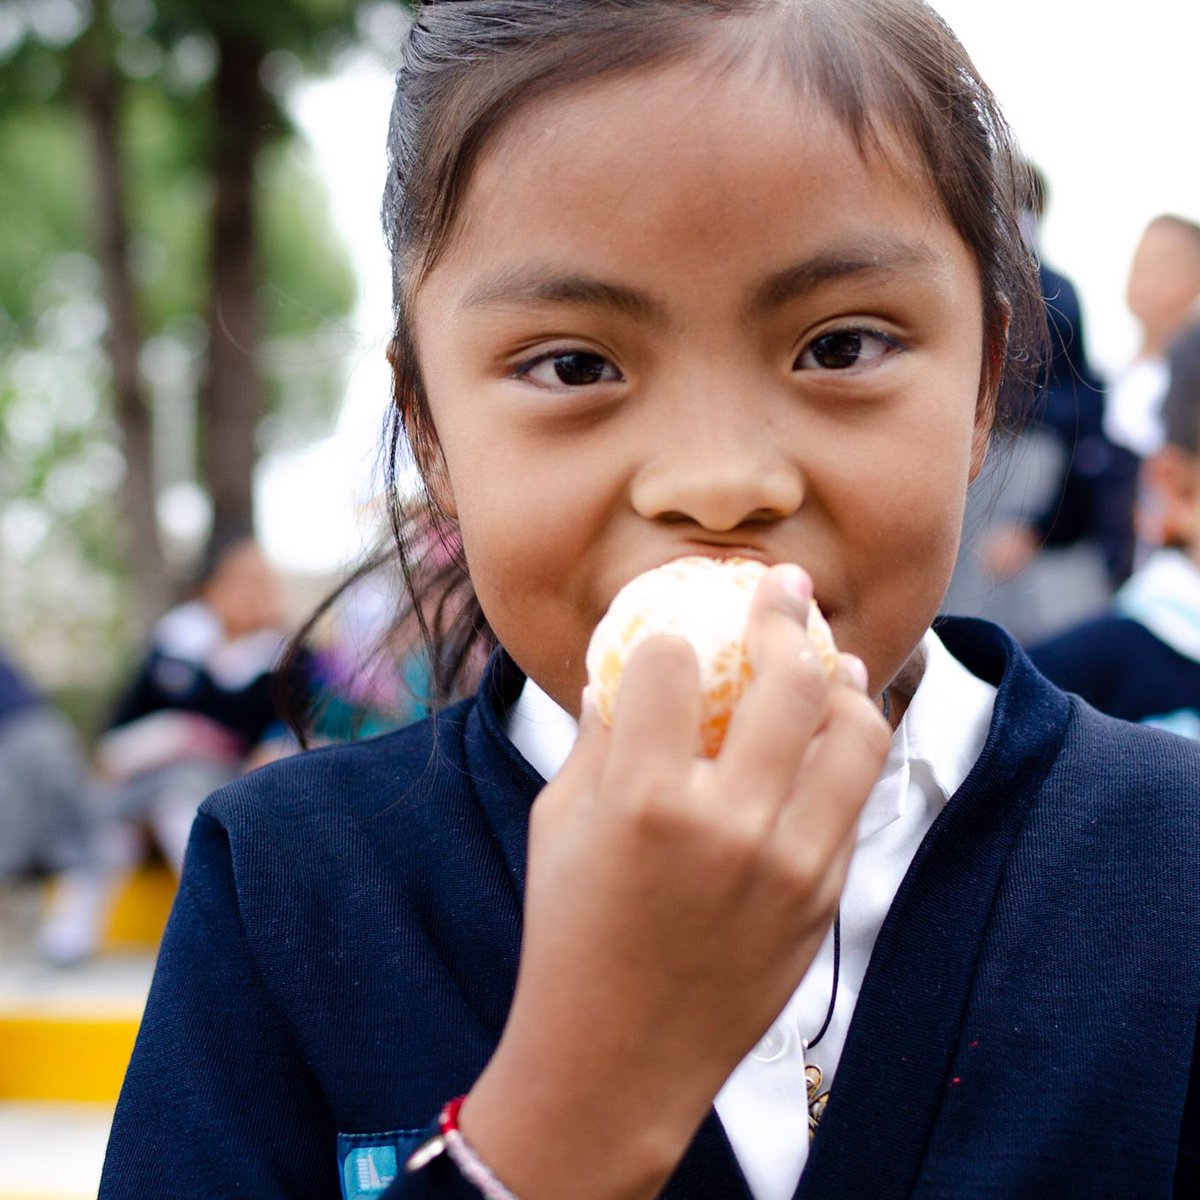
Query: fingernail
795 585
856 670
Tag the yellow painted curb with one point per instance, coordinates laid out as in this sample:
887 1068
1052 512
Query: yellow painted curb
66 1056
140 910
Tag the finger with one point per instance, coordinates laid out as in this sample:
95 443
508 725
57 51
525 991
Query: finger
851 672
586 759
786 698
656 719
842 765
837 867
577 782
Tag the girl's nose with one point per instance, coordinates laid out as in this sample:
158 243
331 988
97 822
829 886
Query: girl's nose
717 476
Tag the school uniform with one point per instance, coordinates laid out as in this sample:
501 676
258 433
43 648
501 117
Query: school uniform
193 670
1141 661
199 703
344 947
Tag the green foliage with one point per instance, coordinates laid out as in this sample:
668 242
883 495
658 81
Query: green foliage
32 73
60 462
168 196
44 195
43 188
304 27
61 568
309 279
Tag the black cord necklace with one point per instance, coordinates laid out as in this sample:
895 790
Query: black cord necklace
817 1099
813 1076
833 991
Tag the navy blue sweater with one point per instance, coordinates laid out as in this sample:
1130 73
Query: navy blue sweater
17 694
1119 666
343 950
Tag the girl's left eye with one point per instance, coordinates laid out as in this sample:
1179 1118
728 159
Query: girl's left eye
572 368
845 349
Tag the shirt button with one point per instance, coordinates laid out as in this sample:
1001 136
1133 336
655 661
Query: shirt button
774 1044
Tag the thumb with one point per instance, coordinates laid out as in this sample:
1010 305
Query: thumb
578 778
583 765
577 781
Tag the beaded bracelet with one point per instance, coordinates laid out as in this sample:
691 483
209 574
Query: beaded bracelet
471 1167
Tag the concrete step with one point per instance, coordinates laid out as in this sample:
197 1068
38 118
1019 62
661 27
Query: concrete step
65 1038
66 1032
52 1151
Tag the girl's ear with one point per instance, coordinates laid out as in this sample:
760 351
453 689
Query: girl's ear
418 428
1173 516
981 437
432 465
995 349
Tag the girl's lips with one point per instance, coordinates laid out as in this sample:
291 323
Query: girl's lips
693 549
755 553
724 551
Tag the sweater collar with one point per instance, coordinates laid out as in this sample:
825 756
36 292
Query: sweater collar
897 1055
1161 596
893 1070
544 733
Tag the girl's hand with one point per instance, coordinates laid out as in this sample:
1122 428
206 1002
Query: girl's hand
673 905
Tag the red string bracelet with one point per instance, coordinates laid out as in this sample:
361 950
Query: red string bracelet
471 1167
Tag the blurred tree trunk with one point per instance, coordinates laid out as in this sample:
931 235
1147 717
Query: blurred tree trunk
97 93
231 400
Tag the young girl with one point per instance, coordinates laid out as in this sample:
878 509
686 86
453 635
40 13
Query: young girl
726 277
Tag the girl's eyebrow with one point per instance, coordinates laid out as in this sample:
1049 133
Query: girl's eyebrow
516 287
872 257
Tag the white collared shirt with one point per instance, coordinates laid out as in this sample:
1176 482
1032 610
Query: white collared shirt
763 1105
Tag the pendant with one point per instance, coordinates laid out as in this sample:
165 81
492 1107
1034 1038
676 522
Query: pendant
817 1099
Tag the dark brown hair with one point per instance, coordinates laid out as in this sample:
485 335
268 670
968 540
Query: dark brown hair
890 70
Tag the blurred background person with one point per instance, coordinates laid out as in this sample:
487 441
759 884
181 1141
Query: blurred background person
43 781
202 707
1037 552
359 684
371 670
1162 294
1141 662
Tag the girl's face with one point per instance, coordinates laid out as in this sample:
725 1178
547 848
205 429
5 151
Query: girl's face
680 314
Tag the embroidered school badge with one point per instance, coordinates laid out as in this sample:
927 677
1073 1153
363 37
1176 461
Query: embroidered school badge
369 1162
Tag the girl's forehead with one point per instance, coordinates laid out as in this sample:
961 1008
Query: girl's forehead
674 160
695 105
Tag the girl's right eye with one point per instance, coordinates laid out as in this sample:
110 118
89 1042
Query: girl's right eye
571 368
